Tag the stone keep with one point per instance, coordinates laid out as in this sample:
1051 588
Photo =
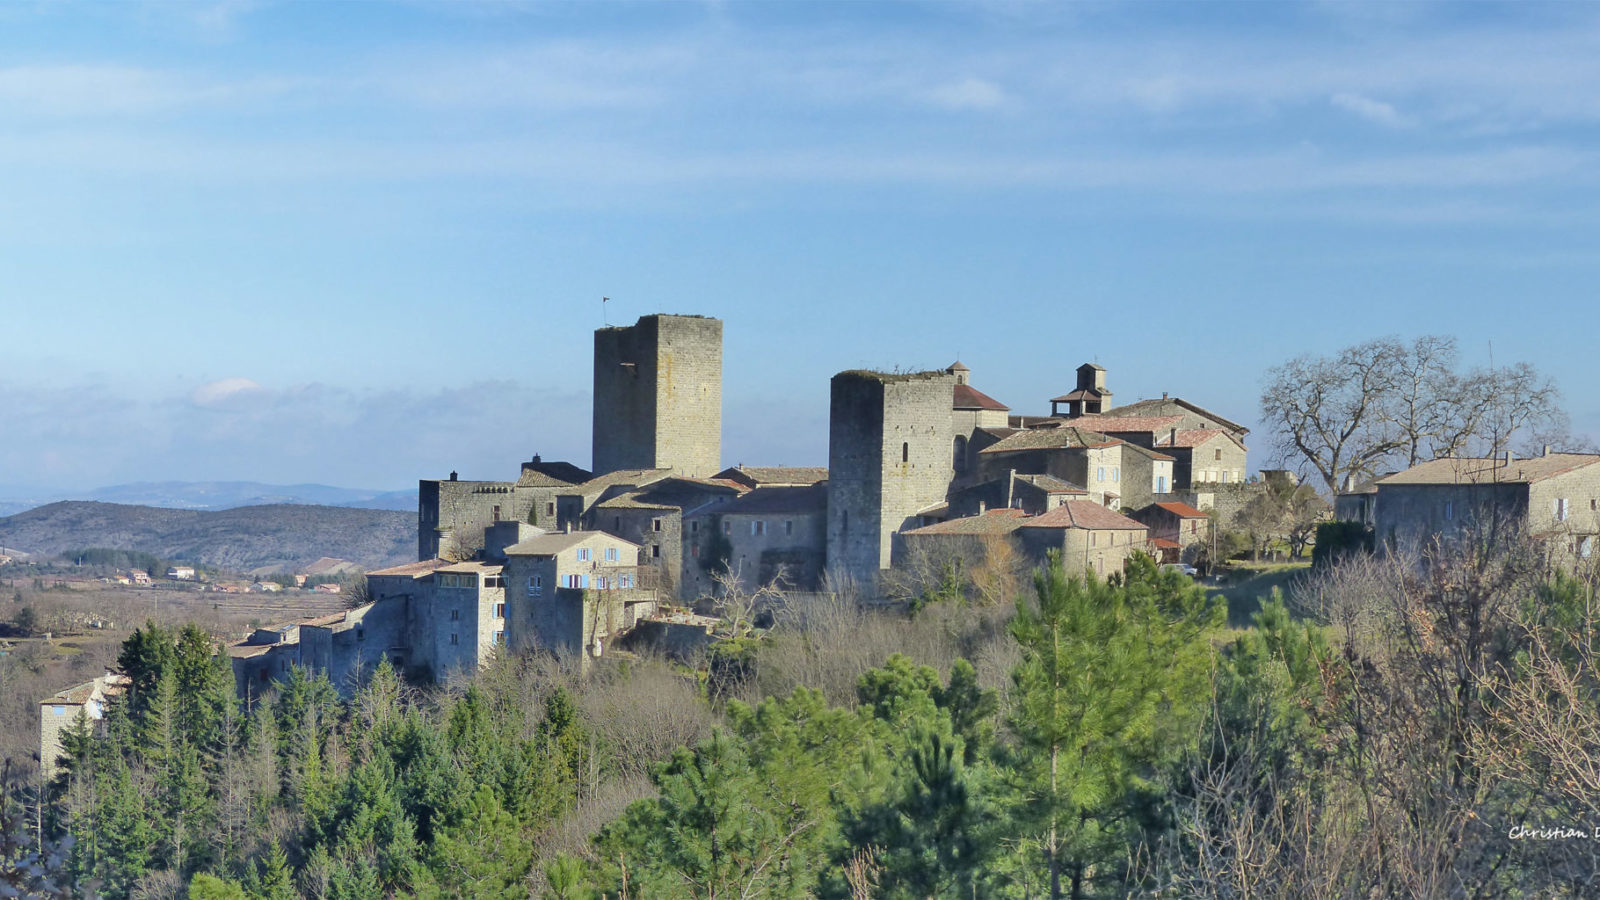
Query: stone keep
658 396
889 440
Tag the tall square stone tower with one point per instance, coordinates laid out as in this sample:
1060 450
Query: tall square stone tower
889 440
658 395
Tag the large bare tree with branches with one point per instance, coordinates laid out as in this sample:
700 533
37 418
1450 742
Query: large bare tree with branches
1388 404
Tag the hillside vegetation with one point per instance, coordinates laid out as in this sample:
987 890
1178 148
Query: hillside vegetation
241 539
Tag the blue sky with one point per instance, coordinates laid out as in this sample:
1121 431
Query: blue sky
362 243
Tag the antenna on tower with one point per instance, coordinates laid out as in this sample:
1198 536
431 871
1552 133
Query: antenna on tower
603 320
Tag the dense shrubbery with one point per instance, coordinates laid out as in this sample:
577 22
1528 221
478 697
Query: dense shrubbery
1106 740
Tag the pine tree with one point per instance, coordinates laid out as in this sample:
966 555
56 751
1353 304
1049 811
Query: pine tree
484 855
1113 682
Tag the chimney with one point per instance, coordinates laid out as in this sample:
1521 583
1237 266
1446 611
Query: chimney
1163 395
1011 482
1509 456
1349 482
1172 438
452 476
982 507
1546 449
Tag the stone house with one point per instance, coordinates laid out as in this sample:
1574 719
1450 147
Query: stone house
1178 531
759 534
1205 457
1033 494
1084 458
1088 535
967 540
59 712
573 593
1554 497
653 518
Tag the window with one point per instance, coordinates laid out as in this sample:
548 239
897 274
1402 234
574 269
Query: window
549 509
448 581
694 527
788 526
499 610
495 514
1561 509
1219 453
655 524
1161 484
625 580
1586 546
611 554
616 523
577 581
535 585
905 452
758 527
1100 474
1225 475
1091 539
694 550
494 581
655 551
469 581
1116 473
499 638
727 527
1449 509
584 555
455 639
455 615
361 634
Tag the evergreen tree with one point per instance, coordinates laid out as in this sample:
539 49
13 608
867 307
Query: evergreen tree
484 855
1113 682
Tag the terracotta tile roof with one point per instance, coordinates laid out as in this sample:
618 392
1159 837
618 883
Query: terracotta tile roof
415 570
631 500
1084 514
1032 421
1197 436
1081 394
636 478
969 397
1146 452
1051 484
1457 470
473 566
1128 424
108 685
541 473
1165 544
552 544
778 501
756 476
1051 439
1140 407
243 650
995 521
1182 510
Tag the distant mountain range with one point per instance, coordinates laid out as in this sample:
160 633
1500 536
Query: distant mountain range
282 537
210 495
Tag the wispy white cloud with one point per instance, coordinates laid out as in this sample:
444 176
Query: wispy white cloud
969 93
1372 110
226 392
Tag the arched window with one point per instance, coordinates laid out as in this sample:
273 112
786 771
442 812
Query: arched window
905 452
959 455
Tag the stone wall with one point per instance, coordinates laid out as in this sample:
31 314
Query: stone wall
889 456
658 395
453 515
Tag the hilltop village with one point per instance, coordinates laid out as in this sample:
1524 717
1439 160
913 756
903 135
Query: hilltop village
922 467
570 559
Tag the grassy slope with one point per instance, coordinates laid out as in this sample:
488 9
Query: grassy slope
1248 585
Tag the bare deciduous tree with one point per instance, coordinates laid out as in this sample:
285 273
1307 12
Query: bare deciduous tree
1388 404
